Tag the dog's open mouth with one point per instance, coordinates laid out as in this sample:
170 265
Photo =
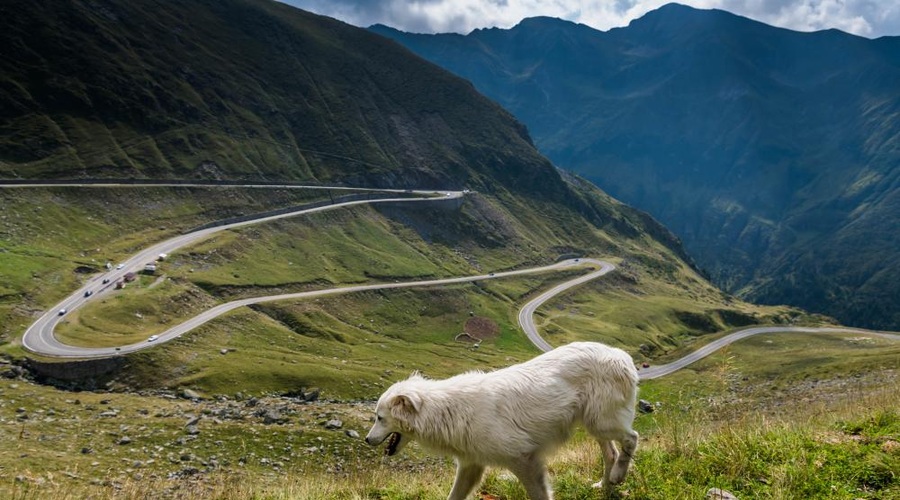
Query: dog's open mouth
393 442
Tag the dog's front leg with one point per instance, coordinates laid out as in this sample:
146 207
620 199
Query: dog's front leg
467 477
532 473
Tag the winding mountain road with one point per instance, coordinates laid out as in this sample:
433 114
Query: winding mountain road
40 339
526 321
526 314
663 370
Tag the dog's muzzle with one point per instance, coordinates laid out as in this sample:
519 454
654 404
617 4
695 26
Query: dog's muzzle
393 442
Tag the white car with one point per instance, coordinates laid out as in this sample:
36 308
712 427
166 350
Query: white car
152 338
120 266
62 311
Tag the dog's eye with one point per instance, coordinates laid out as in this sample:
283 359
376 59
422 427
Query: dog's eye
378 418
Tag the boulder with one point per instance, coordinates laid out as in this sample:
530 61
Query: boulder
312 395
720 494
190 394
272 417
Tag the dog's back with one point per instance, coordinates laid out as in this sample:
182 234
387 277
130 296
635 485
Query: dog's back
532 407
595 382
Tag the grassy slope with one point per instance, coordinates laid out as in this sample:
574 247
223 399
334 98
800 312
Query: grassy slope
243 89
355 345
720 424
324 342
47 233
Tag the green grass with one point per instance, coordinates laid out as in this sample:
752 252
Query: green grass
325 342
634 306
351 346
49 232
780 366
758 459
345 246
147 306
838 444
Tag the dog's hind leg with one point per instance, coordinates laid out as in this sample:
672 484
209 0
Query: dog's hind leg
467 477
532 472
629 444
610 455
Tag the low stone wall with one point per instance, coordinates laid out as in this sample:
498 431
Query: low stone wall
86 374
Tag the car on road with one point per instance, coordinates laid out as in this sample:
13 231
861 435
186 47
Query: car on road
88 293
152 338
120 266
105 280
62 311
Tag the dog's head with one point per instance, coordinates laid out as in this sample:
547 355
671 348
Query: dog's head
395 416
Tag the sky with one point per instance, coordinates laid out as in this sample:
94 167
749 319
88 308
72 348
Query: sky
868 18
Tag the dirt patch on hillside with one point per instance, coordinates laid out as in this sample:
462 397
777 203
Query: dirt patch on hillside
480 328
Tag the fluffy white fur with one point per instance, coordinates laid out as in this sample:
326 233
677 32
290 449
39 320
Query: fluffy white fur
516 416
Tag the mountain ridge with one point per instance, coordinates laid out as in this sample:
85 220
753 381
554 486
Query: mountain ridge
761 148
252 90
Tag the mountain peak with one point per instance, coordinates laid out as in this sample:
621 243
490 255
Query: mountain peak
378 28
543 21
680 16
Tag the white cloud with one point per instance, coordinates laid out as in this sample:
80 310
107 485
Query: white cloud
870 18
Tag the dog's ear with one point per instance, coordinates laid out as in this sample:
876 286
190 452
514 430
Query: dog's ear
405 406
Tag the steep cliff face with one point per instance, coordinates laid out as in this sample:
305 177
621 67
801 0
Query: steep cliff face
773 154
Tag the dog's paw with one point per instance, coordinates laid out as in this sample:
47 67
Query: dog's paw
607 491
617 475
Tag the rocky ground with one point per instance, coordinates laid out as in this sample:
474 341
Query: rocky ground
108 439
55 439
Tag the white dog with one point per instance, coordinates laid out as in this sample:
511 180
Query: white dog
516 416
